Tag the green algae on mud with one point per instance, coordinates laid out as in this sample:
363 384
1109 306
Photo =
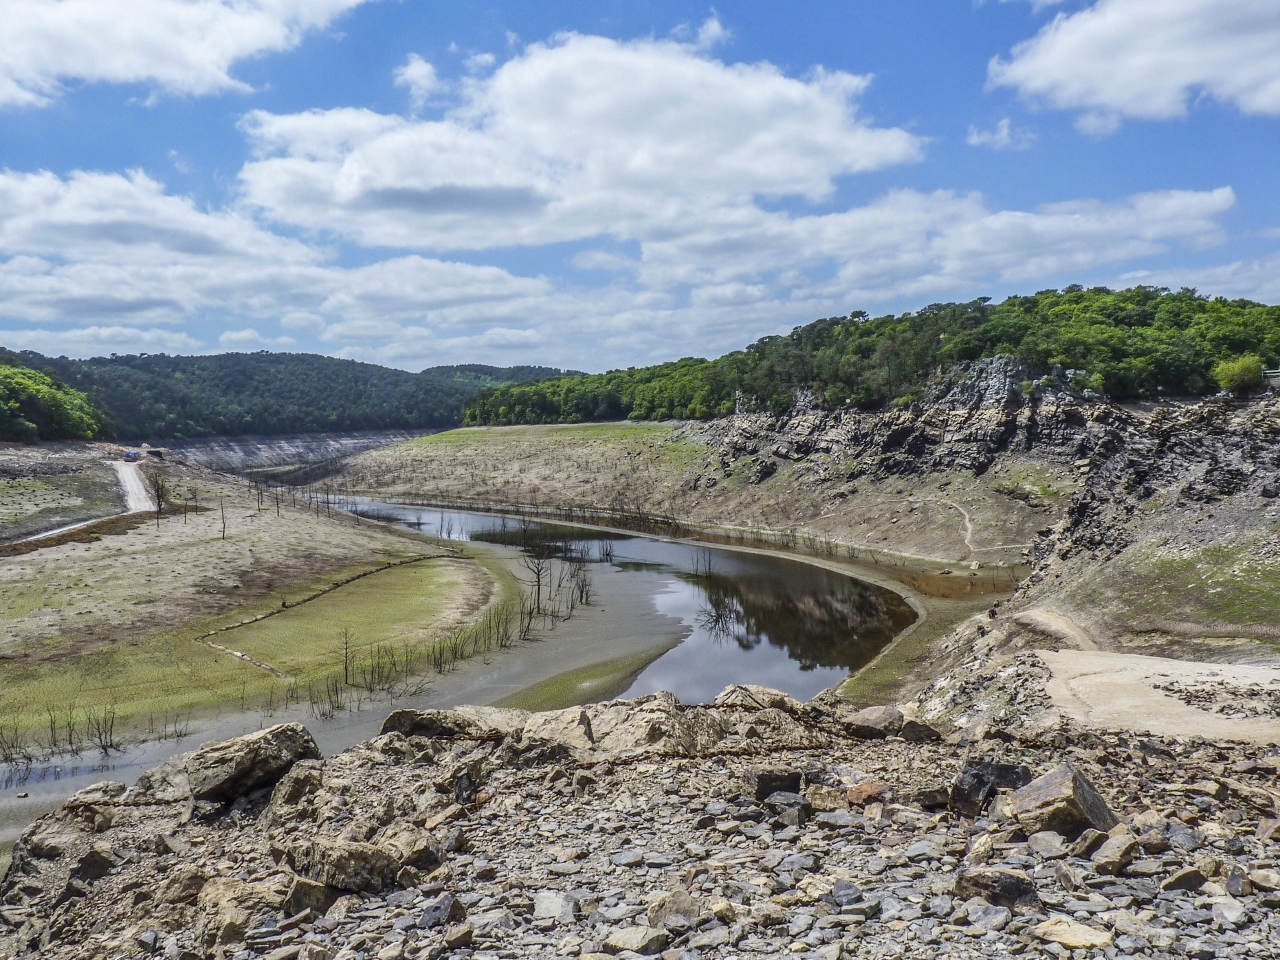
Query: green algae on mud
180 673
590 684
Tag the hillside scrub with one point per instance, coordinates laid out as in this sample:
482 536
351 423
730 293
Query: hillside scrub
163 397
1239 375
34 406
1127 343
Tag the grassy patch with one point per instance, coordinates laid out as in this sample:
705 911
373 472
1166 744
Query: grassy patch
173 672
1031 486
31 504
576 432
593 684
1217 585
886 678
396 606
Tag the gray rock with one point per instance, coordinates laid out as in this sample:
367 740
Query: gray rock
351 865
1063 801
874 723
221 772
978 782
1116 854
1047 845
999 885
642 940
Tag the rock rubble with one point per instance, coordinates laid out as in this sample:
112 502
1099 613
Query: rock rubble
754 826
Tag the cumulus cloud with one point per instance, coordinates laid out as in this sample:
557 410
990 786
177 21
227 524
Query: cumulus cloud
250 339
698 196
179 46
112 252
420 79
1000 137
1123 59
96 341
1256 278
571 139
712 33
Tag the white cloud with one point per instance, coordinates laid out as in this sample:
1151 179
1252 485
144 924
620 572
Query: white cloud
479 62
1000 137
698 196
1256 278
113 252
98 262
179 46
575 138
712 33
420 79
1137 59
96 341
249 339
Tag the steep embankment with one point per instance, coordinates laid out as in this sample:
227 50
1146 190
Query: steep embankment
284 455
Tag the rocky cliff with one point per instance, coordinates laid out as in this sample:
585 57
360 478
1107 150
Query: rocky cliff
753 826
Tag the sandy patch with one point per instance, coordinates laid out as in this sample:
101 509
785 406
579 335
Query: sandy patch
1119 690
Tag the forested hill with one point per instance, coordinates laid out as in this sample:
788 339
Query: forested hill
1144 341
161 397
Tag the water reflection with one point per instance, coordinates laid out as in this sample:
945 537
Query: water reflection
837 625
746 618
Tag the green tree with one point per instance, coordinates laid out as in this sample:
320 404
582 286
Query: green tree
1239 375
33 406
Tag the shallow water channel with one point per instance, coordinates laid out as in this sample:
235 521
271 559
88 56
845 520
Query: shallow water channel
689 617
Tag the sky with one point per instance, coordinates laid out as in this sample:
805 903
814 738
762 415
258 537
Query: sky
606 184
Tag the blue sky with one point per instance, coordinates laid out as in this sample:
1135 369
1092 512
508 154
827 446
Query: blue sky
605 184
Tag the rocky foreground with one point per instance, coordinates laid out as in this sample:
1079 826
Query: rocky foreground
754 826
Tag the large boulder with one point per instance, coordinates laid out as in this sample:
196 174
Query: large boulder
225 770
749 696
978 781
350 865
874 723
412 846
572 727
1062 800
438 725
654 723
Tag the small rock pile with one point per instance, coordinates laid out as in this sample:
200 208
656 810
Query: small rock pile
1226 698
753 826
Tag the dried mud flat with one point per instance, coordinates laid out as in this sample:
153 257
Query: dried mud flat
54 485
754 826
71 598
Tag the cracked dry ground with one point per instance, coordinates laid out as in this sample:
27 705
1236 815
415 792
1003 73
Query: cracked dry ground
757 826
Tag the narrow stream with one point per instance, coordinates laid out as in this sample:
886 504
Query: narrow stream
701 617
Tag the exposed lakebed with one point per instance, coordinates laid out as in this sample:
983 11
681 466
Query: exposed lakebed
684 616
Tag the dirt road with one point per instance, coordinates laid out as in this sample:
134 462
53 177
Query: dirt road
134 486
